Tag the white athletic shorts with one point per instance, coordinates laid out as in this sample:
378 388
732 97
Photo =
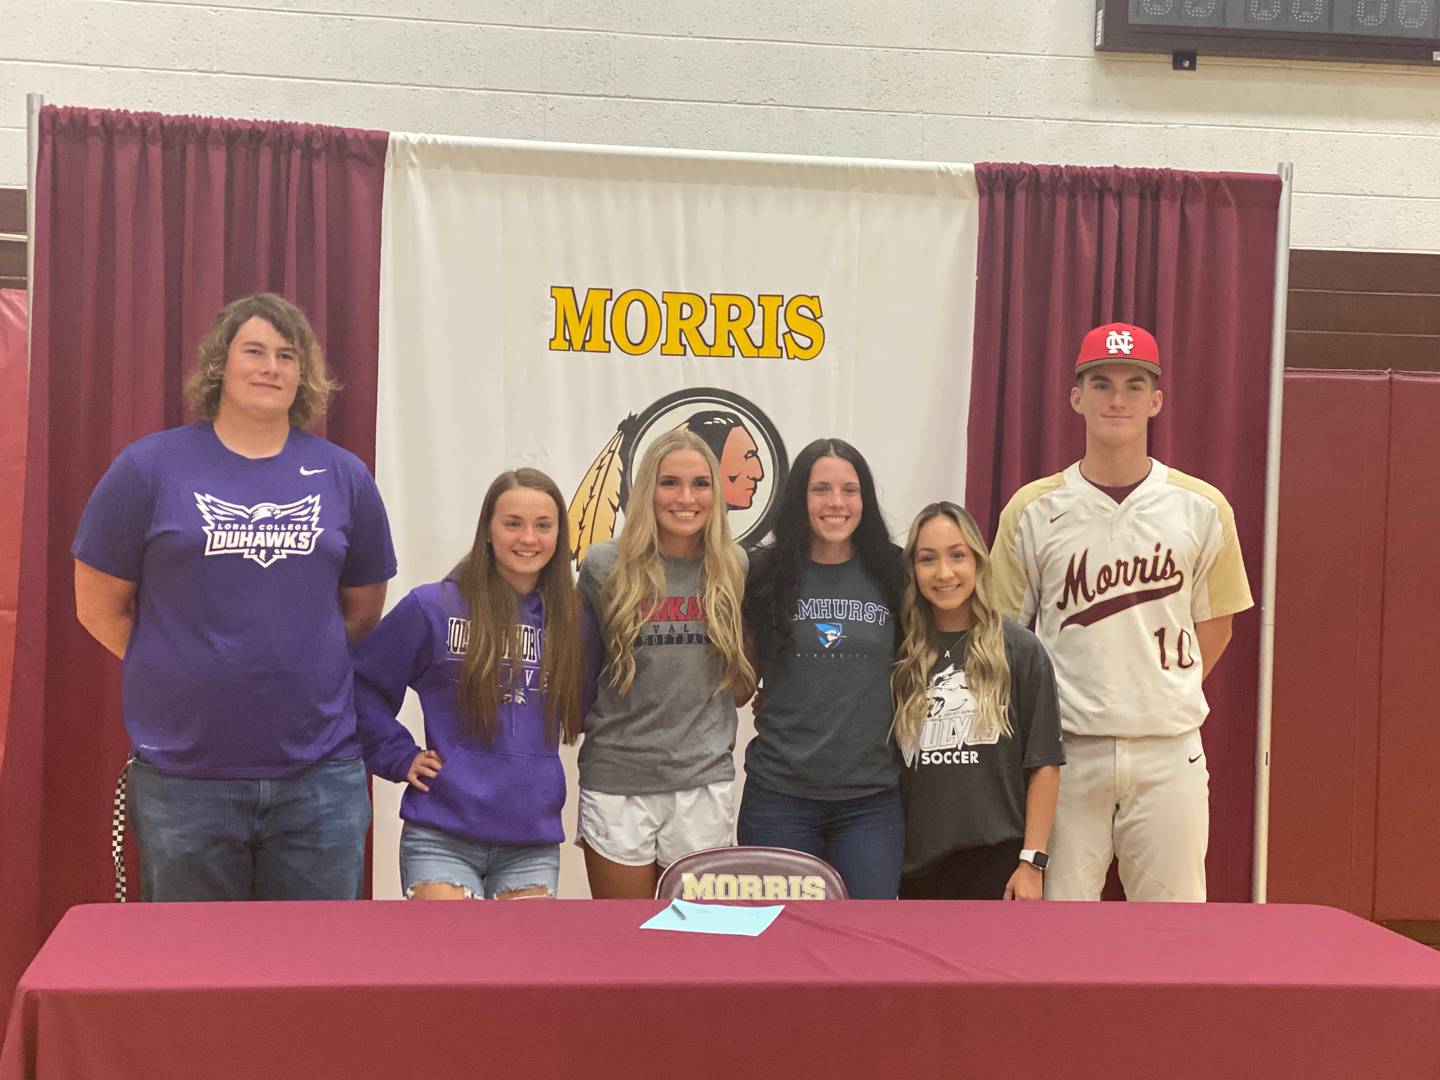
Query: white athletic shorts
1143 801
637 830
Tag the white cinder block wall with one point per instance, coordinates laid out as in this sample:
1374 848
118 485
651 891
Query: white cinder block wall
959 80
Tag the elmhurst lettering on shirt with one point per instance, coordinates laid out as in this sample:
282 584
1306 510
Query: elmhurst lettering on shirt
828 615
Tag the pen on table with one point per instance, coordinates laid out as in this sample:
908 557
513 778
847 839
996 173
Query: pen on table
679 913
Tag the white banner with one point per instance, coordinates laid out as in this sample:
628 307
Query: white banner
559 306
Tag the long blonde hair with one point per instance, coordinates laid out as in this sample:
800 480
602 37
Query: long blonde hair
637 580
987 671
492 657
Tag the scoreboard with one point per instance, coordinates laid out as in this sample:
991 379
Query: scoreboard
1393 31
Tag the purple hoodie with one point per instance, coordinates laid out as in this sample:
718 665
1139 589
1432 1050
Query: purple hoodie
509 791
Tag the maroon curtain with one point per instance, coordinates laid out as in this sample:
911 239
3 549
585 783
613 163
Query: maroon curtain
13 323
1191 257
145 226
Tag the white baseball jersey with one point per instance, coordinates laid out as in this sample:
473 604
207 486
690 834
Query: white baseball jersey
1116 591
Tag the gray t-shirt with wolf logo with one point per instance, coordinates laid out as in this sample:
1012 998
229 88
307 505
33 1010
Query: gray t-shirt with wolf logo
966 787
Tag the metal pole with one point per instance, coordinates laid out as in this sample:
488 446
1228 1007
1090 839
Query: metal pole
33 104
1260 882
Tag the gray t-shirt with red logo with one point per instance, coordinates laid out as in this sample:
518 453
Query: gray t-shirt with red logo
675 729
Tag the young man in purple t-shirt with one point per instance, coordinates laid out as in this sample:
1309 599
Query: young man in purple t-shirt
229 564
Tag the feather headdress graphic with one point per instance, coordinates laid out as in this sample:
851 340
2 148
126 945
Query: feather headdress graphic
264 533
595 507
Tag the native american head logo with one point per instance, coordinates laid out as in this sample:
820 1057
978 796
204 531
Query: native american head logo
753 463
264 533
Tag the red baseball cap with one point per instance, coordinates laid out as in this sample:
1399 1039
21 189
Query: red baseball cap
1118 343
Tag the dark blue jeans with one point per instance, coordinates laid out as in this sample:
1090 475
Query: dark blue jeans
863 838
300 838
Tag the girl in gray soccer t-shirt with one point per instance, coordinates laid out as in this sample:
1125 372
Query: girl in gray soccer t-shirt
977 721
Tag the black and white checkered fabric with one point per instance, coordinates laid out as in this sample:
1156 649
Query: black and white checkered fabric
117 831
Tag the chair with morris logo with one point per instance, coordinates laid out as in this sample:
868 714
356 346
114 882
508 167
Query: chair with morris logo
750 873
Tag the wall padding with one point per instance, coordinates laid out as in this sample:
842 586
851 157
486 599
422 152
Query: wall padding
1328 611
1407 855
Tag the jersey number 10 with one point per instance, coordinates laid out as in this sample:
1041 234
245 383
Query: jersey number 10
1184 650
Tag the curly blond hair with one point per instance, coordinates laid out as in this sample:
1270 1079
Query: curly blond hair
312 398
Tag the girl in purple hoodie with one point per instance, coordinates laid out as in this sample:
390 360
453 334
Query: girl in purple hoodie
497 654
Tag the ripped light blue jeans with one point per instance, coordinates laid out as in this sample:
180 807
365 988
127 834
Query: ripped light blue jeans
482 870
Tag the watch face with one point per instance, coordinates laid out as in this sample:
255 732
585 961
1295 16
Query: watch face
1041 860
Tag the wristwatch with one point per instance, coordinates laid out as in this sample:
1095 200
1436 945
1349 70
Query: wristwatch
1037 859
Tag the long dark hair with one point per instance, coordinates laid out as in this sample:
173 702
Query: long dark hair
493 608
774 585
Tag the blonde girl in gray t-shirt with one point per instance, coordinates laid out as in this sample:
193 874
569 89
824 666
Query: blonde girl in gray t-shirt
656 767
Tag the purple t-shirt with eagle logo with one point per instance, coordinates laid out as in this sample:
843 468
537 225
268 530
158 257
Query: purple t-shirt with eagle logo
238 665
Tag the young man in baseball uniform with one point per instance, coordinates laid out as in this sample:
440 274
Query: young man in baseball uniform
1132 573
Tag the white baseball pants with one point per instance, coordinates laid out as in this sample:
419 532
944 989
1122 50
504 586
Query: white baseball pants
1145 801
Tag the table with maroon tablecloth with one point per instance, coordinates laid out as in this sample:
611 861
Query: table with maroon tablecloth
574 989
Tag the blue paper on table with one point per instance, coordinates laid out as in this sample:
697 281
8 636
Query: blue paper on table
713 918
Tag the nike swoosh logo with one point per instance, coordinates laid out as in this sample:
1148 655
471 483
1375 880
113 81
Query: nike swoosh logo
1058 516
309 472
1105 608
1196 758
